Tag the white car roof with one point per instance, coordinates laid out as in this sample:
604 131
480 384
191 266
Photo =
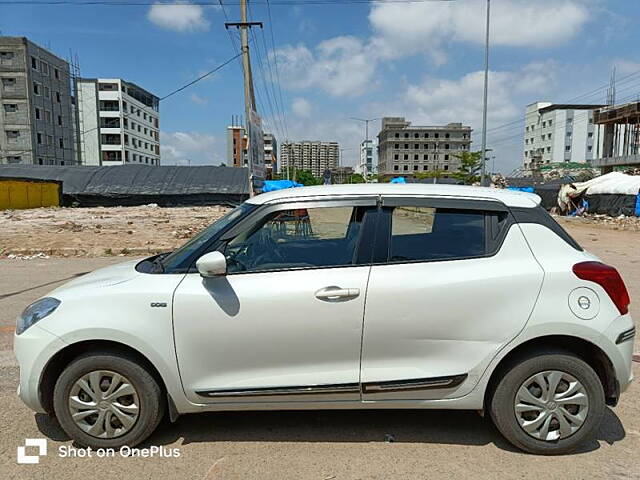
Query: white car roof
510 198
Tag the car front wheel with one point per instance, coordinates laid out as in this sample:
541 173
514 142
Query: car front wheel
106 400
548 404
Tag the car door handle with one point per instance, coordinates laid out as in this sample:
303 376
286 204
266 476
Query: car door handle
337 293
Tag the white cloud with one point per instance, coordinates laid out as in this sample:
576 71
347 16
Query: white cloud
195 98
403 29
200 148
180 17
341 66
301 107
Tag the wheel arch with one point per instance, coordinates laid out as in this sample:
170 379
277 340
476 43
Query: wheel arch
63 357
590 353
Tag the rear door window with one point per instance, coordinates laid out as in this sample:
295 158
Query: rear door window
426 233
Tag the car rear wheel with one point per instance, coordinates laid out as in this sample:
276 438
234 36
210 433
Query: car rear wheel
548 404
106 400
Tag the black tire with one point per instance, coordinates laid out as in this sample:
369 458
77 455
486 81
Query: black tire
150 396
503 399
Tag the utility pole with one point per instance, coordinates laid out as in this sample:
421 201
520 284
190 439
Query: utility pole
249 95
484 108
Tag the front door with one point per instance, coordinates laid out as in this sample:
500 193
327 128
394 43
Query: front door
285 323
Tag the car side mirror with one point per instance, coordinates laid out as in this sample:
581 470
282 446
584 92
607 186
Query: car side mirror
212 264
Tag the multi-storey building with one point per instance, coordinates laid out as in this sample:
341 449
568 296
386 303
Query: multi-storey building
118 122
555 133
314 156
368 153
405 149
270 154
36 109
236 145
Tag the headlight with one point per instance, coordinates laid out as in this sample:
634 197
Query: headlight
36 312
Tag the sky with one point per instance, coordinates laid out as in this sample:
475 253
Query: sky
421 60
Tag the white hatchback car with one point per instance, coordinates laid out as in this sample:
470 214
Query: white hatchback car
342 297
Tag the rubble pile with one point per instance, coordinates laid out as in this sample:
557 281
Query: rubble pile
621 222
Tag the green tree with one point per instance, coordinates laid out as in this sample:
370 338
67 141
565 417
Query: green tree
471 164
356 178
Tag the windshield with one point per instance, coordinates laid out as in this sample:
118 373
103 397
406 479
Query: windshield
176 258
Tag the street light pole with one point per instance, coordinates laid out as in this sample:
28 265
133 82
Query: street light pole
486 91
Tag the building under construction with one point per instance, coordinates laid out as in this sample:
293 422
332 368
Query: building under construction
619 132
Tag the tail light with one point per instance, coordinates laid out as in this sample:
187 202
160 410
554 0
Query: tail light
608 278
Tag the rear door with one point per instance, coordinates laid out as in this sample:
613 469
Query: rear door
452 282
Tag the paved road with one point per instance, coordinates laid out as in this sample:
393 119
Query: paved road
303 445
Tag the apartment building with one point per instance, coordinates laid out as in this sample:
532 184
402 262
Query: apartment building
556 133
368 157
405 149
270 154
314 156
118 122
36 105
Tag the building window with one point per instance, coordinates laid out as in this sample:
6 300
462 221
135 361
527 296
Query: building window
61 143
526 129
416 156
426 135
568 134
446 135
425 167
425 157
406 135
396 167
406 146
569 120
34 63
37 113
6 56
12 136
60 120
56 73
446 146
544 124
567 148
46 92
397 135
144 115
416 135
590 134
405 167
36 89
589 148
396 145
108 87
550 122
416 146
406 157
395 157
14 159
415 167
10 107
44 68
39 138
58 97
47 116
446 167
8 83
446 157
437 135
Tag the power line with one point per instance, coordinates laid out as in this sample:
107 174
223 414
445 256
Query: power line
201 77
275 61
123 3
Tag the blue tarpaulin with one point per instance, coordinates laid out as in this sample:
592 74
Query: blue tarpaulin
638 205
273 185
398 180
521 189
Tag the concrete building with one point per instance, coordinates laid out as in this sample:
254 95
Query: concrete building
314 156
341 175
270 154
236 145
556 133
617 136
405 149
36 109
117 121
368 157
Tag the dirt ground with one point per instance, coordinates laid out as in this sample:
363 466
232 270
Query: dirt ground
100 231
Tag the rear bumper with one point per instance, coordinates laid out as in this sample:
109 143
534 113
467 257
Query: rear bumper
33 349
620 350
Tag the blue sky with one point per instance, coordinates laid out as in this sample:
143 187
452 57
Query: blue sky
419 60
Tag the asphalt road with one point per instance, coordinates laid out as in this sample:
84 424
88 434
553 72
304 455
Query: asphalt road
320 445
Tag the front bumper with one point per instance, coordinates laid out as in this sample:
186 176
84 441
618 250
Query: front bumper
33 349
